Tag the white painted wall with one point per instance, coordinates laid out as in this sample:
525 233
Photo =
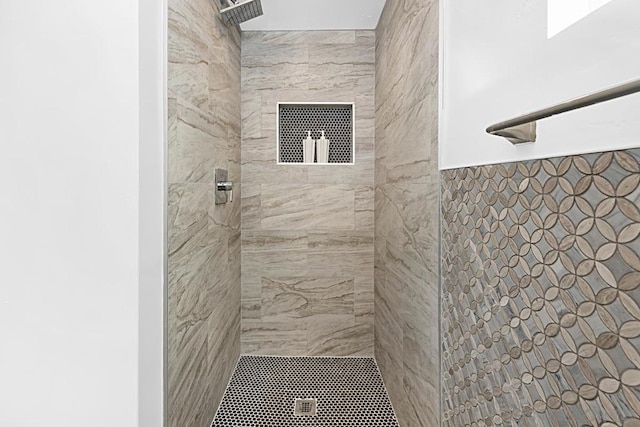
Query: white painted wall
289 15
498 63
152 213
70 123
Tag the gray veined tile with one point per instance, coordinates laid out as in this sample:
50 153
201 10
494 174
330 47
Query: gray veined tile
273 338
251 207
186 393
251 37
226 105
204 242
189 274
341 242
323 77
300 221
257 172
364 208
190 82
251 296
402 220
269 77
276 252
416 132
261 55
185 45
252 115
361 173
200 119
223 71
366 37
308 37
224 327
191 155
364 298
187 212
307 207
340 337
339 54
338 264
188 34
285 298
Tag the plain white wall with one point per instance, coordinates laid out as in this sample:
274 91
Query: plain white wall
498 63
152 213
70 124
287 15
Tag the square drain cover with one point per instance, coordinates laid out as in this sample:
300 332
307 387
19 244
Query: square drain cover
305 407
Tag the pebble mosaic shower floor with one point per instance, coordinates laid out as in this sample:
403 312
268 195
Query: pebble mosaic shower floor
263 390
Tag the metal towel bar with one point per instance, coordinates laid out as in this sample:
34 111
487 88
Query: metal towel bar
523 128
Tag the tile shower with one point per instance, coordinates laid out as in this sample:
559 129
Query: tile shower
307 230
203 238
489 295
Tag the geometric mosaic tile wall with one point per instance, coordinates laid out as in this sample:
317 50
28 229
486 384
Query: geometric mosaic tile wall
541 292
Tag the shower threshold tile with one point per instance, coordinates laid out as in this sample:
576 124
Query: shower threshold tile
263 390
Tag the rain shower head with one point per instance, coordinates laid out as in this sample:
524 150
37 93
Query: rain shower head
240 10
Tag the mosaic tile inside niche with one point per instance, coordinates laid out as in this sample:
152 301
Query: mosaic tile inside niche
541 277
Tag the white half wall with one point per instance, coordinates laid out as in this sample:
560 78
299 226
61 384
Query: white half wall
498 63
152 214
71 244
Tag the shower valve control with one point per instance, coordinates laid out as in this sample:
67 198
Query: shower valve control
226 186
223 187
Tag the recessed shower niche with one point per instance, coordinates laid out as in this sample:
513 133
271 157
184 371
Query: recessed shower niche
301 123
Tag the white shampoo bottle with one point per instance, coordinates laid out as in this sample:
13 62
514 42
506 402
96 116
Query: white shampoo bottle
308 148
323 149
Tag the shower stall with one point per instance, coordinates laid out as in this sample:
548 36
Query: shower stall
407 276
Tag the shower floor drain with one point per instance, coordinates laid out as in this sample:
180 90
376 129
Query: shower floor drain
305 407
324 391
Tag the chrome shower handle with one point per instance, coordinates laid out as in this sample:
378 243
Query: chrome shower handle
222 187
226 186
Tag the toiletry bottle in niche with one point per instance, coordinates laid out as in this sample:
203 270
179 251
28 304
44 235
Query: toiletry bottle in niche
323 149
308 148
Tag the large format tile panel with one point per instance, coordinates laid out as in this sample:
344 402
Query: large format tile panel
203 239
406 208
307 244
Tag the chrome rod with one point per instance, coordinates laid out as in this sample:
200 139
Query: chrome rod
505 128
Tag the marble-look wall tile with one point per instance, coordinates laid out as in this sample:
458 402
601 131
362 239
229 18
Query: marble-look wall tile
364 208
406 213
274 252
290 298
274 338
340 337
203 239
310 38
307 252
307 207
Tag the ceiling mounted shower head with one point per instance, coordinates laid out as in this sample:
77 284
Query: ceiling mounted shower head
240 11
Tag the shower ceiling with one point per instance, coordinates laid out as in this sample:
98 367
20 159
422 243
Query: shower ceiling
288 15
